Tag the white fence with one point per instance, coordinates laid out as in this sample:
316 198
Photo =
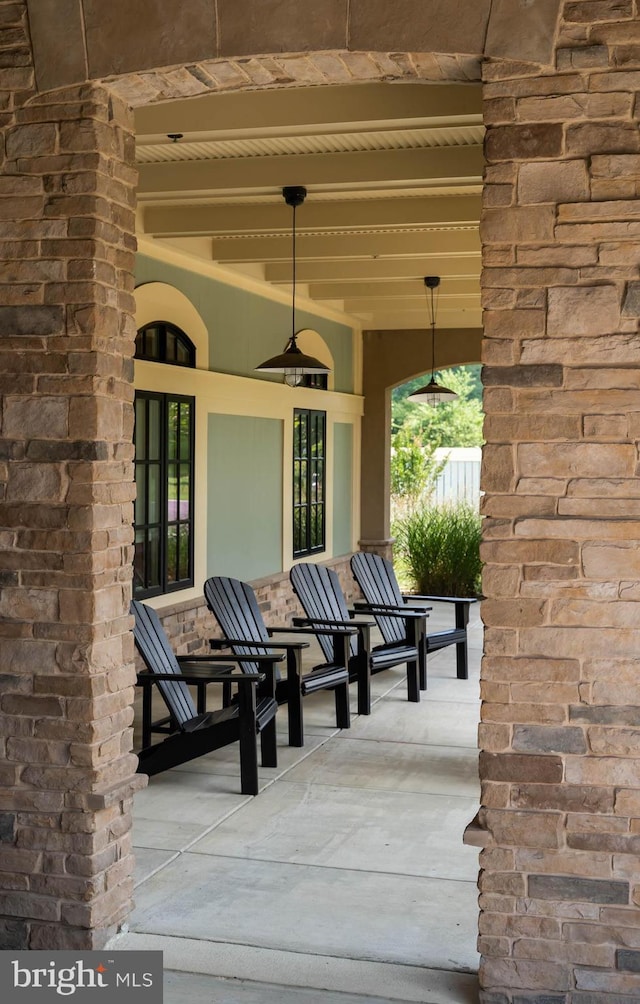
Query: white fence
460 479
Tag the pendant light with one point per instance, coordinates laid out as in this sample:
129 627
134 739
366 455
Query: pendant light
293 362
432 393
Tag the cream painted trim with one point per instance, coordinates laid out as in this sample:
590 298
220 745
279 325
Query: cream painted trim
225 394
193 263
158 301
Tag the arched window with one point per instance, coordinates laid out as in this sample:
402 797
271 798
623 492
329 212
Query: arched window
163 342
164 438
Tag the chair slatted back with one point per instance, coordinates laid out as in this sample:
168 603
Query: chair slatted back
153 645
320 593
377 580
233 604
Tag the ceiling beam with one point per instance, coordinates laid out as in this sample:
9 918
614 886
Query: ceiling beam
390 319
446 303
343 245
439 260
458 286
297 107
195 179
169 221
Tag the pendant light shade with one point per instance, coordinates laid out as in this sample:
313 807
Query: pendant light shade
432 393
293 362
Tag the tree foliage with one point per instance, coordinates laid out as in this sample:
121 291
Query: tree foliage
414 468
456 423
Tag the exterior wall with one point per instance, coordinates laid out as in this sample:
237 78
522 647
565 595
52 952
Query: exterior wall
235 452
246 327
561 699
66 672
245 505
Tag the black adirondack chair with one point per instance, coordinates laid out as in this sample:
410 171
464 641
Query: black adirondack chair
322 599
233 604
191 732
377 580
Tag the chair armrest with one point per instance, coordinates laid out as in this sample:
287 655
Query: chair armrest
441 599
330 631
400 613
327 622
225 642
199 675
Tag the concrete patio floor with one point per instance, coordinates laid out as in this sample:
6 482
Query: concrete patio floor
345 881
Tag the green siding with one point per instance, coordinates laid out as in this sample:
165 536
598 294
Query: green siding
245 328
244 479
342 487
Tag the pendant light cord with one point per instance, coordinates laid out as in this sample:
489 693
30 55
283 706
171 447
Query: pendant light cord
293 294
433 334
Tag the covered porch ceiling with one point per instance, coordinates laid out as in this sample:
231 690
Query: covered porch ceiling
394 178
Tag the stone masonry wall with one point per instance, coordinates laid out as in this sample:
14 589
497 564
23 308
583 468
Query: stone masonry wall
560 882
66 658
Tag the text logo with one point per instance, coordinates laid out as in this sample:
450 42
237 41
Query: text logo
121 977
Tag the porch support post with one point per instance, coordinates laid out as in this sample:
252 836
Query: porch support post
66 665
560 686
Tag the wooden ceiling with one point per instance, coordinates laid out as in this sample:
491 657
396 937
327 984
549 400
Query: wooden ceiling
393 174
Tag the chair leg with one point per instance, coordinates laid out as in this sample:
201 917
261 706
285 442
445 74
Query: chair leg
462 661
294 698
413 682
364 689
422 661
343 711
226 694
248 740
268 747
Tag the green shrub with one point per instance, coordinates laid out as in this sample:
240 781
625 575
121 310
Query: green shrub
439 549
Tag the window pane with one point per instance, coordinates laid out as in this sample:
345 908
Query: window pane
153 484
184 489
318 482
172 492
296 482
139 560
140 506
173 410
172 554
302 524
170 337
182 353
183 564
141 428
155 432
185 431
153 558
303 481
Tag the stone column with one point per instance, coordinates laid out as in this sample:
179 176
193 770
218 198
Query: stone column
66 657
561 690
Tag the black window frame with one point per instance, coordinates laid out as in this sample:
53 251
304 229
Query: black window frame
309 521
167 334
148 584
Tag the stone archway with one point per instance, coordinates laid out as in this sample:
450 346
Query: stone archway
561 356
